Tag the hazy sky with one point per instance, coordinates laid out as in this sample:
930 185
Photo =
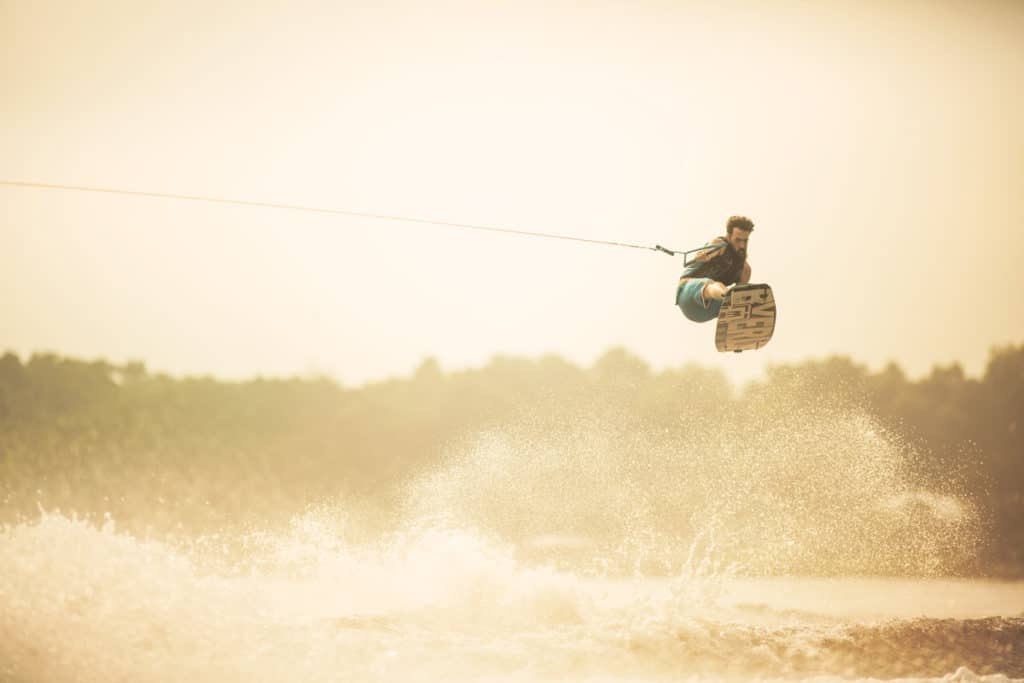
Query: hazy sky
878 146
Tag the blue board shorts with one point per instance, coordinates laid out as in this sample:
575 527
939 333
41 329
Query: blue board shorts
690 301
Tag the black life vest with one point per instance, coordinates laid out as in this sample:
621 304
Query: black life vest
724 265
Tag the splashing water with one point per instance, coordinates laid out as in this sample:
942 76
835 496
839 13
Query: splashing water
604 553
822 492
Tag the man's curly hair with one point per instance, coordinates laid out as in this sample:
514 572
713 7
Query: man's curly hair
741 222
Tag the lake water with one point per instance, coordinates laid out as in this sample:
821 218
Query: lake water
81 604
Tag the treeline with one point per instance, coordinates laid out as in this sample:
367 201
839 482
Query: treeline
164 455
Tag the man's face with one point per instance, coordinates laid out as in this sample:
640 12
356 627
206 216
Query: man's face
738 239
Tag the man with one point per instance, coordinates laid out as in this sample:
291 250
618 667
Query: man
710 274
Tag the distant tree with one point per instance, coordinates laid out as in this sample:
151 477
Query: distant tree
90 436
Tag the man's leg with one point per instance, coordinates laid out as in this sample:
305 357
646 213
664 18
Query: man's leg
690 299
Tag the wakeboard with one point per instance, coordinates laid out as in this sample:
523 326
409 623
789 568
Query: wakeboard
747 318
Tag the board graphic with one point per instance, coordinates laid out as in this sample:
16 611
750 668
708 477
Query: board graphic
747 318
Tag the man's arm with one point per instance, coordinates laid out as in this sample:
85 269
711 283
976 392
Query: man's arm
696 264
745 275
